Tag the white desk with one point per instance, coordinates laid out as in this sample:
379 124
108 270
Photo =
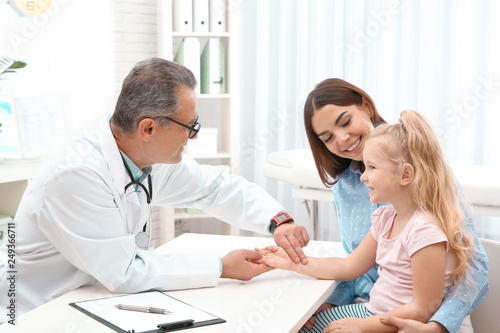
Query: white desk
277 301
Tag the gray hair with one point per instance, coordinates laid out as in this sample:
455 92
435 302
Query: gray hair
150 90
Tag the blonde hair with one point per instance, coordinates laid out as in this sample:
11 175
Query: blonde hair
434 189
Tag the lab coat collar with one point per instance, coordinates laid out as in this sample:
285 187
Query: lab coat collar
120 178
112 156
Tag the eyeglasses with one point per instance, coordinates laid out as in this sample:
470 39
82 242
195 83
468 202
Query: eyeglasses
193 130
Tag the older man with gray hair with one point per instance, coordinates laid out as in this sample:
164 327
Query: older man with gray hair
85 217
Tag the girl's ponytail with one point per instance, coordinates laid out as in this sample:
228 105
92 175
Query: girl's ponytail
435 189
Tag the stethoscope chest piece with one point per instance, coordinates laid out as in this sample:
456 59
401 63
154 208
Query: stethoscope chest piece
142 240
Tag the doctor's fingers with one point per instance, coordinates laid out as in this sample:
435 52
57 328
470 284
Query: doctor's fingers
292 231
294 251
248 270
259 268
292 247
251 255
242 264
305 236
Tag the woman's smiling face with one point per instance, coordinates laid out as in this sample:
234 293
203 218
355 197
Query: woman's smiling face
342 129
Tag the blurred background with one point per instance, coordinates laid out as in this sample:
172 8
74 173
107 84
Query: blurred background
439 58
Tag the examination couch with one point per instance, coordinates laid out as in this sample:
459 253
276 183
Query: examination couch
297 167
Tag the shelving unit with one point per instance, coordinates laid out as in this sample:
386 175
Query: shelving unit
219 111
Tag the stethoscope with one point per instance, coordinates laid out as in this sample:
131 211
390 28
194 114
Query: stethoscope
143 238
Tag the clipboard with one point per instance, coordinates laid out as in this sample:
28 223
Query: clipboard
104 310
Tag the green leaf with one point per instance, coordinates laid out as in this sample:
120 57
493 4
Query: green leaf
9 65
18 64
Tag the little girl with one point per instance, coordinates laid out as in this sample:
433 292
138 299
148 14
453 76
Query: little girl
419 240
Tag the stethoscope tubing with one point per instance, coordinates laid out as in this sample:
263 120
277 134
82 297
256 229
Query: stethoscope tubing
149 198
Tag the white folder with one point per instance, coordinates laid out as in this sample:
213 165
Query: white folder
200 16
183 15
189 56
217 16
213 67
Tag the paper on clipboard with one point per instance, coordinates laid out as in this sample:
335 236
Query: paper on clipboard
104 310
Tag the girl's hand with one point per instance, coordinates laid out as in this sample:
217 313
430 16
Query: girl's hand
346 325
276 257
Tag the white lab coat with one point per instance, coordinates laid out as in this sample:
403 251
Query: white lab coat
76 226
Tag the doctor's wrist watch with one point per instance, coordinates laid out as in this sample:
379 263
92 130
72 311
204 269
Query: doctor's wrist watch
278 220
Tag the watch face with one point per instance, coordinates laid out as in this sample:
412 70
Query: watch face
281 217
30 7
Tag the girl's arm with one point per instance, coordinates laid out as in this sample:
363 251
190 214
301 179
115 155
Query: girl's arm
333 268
428 274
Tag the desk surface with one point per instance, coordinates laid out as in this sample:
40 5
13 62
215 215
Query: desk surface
277 301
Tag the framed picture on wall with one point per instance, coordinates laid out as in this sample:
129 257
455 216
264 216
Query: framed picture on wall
10 143
31 127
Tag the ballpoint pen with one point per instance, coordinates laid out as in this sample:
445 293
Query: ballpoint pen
146 309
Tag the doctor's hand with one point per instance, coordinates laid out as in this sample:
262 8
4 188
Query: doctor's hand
292 238
243 265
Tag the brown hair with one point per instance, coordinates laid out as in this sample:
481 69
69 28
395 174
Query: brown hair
337 92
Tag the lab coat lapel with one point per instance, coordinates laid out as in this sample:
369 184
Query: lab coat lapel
114 160
129 203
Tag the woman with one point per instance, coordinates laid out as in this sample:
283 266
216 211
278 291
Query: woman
338 117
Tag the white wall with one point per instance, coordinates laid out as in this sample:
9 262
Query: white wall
135 32
79 50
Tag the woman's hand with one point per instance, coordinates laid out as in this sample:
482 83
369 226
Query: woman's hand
310 322
413 326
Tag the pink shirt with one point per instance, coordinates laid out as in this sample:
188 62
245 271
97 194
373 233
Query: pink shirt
394 287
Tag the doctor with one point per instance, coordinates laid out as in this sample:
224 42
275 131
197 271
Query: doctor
85 218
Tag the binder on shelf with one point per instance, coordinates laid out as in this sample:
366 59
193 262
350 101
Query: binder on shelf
217 15
182 15
189 56
213 67
200 16
106 312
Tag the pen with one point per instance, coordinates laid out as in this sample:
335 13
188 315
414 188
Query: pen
142 309
176 324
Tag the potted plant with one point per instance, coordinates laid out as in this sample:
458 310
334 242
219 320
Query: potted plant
9 65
